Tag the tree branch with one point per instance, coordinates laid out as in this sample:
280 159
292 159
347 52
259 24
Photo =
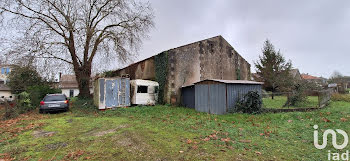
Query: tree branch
54 57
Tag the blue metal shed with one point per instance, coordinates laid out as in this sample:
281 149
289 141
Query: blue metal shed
112 92
217 96
188 96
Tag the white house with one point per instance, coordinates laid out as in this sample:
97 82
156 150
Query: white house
5 91
69 86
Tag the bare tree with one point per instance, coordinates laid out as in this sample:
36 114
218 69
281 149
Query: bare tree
79 31
336 74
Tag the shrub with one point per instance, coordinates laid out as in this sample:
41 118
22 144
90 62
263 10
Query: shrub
348 90
299 94
295 99
250 103
24 103
38 92
22 78
340 97
10 111
265 94
83 106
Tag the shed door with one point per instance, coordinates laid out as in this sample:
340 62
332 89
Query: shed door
210 98
217 98
111 93
202 98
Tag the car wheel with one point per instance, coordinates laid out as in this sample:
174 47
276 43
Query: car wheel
41 111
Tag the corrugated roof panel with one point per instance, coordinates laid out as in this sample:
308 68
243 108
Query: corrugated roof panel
232 81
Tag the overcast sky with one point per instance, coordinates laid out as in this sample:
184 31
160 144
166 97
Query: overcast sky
313 34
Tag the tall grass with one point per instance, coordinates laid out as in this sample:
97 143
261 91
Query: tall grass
340 97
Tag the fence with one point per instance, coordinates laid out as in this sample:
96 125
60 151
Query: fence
324 97
315 98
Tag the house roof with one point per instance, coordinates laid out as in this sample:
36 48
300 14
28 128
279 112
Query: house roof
332 85
4 87
68 81
309 77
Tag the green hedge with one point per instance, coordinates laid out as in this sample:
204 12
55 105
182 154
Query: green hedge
38 92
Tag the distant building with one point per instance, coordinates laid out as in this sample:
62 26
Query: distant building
5 91
347 81
343 83
318 80
332 85
256 77
69 86
5 71
295 74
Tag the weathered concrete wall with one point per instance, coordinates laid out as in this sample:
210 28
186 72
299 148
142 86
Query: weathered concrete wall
141 70
212 58
218 60
184 69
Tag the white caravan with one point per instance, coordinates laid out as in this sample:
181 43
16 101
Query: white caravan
144 92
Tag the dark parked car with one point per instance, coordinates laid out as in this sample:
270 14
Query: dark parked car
54 102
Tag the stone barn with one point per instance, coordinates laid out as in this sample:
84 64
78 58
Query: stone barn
212 58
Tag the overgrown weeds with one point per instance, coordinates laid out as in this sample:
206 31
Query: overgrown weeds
10 111
340 97
82 106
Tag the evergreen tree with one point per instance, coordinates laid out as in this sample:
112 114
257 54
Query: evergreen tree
23 77
273 69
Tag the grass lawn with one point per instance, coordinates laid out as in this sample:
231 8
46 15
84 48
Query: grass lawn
279 101
169 133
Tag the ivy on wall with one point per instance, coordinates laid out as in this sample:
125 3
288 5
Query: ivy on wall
109 74
238 74
161 72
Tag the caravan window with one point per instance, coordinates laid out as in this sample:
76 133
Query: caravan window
142 89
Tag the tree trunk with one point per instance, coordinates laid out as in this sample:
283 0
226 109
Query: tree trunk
272 95
273 90
83 75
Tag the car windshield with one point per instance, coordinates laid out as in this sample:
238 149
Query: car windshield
54 98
